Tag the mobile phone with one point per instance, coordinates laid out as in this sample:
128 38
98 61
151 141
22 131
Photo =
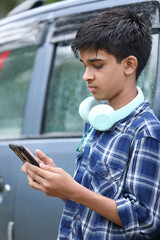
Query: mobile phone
23 154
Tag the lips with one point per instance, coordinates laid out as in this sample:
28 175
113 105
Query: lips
91 88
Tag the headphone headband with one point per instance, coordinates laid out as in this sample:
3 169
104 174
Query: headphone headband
130 107
101 116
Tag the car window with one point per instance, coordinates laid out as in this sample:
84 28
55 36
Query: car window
147 79
15 73
66 91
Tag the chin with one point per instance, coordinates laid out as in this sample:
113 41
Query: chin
99 98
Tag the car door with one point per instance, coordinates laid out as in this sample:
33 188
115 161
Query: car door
49 118
17 56
15 73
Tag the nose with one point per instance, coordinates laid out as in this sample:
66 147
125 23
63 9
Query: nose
88 75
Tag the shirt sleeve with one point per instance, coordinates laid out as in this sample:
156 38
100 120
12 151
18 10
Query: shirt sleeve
139 207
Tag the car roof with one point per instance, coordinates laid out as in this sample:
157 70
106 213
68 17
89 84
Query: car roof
67 7
29 27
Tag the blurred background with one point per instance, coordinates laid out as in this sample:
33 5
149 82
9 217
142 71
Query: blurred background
7 5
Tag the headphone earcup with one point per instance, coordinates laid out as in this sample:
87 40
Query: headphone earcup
86 106
100 118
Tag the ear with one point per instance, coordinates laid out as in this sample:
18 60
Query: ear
131 64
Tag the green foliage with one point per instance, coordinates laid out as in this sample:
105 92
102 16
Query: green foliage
51 1
7 5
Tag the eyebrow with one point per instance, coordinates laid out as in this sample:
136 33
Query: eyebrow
93 60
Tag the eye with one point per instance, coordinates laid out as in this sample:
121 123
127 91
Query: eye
98 66
83 65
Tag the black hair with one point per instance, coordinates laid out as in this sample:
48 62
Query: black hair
120 32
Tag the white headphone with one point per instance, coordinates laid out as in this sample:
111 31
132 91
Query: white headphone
102 116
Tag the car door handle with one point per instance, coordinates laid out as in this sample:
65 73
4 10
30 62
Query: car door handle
10 230
6 188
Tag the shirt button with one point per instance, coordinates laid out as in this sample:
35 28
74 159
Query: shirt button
74 217
106 173
99 132
88 159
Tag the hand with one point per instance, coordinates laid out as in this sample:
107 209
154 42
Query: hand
52 181
41 158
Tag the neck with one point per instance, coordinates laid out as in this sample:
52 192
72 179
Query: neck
124 98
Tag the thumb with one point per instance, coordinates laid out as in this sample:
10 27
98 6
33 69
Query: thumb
46 160
46 167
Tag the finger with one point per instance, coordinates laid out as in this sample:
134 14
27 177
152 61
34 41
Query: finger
51 169
45 159
45 167
23 169
34 184
35 177
37 173
33 155
30 179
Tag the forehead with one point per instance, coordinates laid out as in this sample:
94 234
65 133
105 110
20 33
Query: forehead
89 55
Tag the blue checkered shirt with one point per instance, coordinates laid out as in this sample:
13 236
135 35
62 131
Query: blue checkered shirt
122 163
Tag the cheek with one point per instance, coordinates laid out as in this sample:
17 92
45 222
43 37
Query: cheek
111 71
118 74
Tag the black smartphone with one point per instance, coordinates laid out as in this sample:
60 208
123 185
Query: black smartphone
23 154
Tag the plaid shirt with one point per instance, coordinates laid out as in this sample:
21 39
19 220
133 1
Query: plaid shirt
122 163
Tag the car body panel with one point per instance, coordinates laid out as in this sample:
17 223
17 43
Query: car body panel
24 212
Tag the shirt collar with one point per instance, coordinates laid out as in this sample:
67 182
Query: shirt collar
121 124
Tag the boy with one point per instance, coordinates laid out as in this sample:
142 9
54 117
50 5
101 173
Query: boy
115 190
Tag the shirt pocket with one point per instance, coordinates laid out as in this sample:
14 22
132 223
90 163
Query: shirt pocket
106 179
78 173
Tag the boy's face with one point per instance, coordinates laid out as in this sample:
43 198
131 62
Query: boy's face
105 77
